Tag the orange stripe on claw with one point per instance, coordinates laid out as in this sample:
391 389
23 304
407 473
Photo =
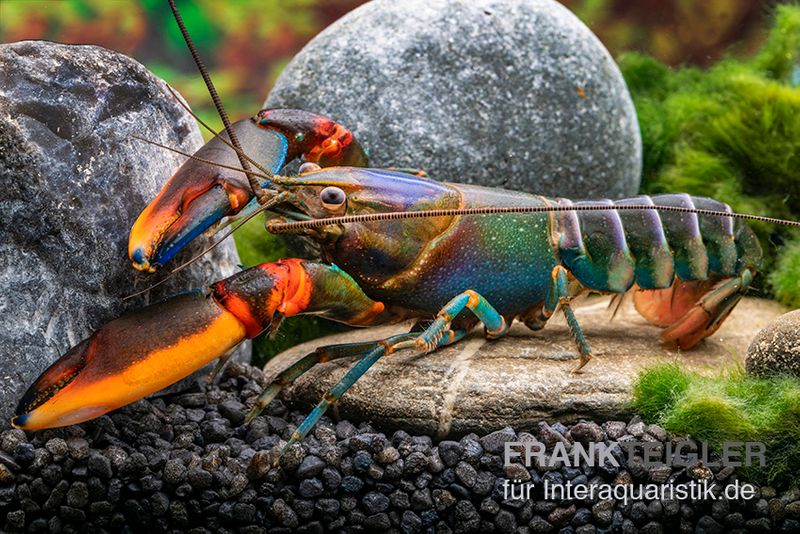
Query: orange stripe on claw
96 391
298 290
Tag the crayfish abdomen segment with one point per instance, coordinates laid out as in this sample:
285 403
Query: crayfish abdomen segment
688 270
610 250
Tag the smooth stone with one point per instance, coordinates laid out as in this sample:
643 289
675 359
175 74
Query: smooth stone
776 349
505 93
74 180
479 386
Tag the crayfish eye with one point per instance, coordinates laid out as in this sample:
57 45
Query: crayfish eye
332 198
308 166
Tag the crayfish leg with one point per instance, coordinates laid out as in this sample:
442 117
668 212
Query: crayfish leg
664 307
437 334
692 311
298 368
218 367
378 350
560 295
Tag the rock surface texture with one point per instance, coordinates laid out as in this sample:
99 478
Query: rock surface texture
477 385
73 181
776 349
505 93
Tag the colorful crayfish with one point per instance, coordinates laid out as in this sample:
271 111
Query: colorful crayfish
395 246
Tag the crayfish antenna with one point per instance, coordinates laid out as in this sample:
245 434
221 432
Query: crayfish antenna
254 185
216 134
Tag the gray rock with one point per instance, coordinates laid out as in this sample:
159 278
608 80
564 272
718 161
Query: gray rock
776 349
479 385
73 181
507 93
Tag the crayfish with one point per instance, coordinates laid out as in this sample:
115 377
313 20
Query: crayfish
395 245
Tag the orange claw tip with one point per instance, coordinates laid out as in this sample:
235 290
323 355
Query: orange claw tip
128 359
140 260
201 193
31 421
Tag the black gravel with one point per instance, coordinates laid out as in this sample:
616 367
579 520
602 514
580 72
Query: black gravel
186 462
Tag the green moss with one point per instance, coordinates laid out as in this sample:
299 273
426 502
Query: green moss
731 132
728 407
708 416
255 245
658 389
785 278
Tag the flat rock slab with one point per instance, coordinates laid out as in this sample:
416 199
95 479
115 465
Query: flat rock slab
479 385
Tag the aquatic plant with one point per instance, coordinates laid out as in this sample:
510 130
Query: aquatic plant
731 132
730 406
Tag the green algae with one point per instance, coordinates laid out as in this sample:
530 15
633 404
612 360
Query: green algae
731 132
730 406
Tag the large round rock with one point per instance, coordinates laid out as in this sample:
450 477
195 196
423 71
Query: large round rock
508 93
776 349
73 181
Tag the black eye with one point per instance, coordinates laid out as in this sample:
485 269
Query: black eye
332 198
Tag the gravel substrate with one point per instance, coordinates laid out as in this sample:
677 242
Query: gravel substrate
186 462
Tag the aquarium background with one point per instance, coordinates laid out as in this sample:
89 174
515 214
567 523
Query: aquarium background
247 43
714 83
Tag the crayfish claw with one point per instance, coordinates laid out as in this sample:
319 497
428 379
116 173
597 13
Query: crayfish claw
129 358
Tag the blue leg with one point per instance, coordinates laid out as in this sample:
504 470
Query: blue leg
494 324
558 295
293 372
335 393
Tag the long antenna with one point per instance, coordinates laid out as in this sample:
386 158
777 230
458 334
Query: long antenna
216 134
198 158
254 185
292 226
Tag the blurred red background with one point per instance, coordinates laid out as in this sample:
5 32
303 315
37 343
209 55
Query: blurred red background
246 43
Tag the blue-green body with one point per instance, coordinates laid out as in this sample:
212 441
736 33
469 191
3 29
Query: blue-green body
420 264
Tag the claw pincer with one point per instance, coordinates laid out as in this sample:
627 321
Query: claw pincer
128 358
149 349
200 193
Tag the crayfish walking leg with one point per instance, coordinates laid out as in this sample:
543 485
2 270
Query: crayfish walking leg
294 371
437 334
558 295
